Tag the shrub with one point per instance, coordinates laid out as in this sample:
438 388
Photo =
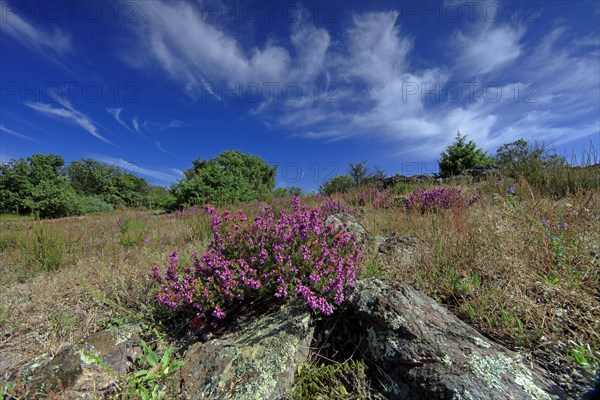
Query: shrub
378 199
132 232
54 199
545 171
338 184
232 176
438 198
44 250
296 254
331 207
95 204
461 155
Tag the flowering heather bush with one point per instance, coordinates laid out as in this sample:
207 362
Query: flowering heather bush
378 199
295 254
439 198
331 207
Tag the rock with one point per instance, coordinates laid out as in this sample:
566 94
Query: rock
428 353
396 251
480 171
257 361
118 347
72 368
353 226
59 373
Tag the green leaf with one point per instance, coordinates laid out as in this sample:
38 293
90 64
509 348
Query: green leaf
140 373
152 358
166 358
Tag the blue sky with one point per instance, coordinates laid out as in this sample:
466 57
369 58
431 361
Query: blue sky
310 86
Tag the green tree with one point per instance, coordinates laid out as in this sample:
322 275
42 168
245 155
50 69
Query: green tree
115 186
521 158
231 176
55 198
461 155
358 172
160 198
337 184
90 177
37 185
15 186
287 191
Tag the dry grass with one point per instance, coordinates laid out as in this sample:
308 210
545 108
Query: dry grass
492 264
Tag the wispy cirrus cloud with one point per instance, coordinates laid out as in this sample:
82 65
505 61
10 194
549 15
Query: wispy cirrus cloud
488 48
136 125
133 168
190 49
159 146
51 43
379 91
69 113
116 114
16 134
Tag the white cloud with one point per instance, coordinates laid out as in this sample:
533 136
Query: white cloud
177 171
158 146
191 50
136 124
372 68
48 42
488 48
175 123
133 167
69 113
116 114
377 50
16 134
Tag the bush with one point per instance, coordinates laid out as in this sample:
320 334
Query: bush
461 155
376 198
548 173
338 184
440 198
232 176
95 204
54 199
297 254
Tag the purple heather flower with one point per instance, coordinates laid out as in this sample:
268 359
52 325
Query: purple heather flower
510 191
249 258
218 313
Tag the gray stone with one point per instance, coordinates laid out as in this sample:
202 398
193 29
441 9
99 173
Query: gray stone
426 352
257 361
396 252
362 236
59 373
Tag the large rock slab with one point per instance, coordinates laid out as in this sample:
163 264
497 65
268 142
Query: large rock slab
256 361
425 352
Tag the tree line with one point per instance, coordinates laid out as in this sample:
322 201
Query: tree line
44 186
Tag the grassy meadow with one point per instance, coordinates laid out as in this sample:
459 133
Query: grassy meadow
522 268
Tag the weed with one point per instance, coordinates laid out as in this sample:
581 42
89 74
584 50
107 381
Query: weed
149 382
63 322
347 380
373 270
44 250
132 232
